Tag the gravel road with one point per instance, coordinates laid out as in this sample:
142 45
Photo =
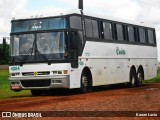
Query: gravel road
114 98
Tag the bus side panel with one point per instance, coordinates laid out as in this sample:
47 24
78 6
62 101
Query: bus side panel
75 76
150 68
110 63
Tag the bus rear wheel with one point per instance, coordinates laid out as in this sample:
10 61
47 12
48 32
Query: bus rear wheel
36 92
132 82
140 78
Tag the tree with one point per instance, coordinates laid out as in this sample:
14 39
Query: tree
0 51
4 52
4 45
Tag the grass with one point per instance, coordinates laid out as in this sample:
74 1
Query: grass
5 91
154 80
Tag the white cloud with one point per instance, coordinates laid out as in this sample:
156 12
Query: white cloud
9 8
124 9
40 12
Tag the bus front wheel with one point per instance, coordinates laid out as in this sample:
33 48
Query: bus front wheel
86 81
84 84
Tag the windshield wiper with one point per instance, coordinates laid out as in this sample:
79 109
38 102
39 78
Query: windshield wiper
28 53
37 52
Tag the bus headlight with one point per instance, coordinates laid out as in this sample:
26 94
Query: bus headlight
57 72
65 72
15 74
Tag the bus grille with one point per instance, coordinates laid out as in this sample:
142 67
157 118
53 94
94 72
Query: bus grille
36 83
38 73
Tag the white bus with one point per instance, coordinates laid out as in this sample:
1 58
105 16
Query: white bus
79 50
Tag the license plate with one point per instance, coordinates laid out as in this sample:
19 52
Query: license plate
15 87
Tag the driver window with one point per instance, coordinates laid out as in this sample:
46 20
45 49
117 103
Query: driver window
74 38
77 41
73 45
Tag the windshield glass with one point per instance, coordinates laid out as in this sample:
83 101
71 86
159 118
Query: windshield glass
48 43
39 46
22 44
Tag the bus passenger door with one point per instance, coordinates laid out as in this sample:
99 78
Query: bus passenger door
74 49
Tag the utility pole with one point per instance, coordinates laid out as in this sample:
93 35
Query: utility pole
81 4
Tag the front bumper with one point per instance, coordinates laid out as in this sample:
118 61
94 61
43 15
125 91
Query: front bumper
39 82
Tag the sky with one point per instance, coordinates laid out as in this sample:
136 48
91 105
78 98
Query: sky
146 11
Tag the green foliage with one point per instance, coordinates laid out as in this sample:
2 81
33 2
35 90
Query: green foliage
5 91
4 53
154 80
4 79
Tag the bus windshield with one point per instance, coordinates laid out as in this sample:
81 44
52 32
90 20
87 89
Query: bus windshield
43 39
51 45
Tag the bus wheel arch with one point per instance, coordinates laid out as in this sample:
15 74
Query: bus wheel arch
86 80
132 76
140 76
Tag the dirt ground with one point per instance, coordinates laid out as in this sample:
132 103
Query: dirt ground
96 105
4 67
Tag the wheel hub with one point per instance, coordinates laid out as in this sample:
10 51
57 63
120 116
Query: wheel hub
84 81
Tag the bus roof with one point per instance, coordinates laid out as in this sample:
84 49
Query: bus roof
93 15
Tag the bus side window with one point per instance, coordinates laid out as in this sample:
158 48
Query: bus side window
88 28
142 36
119 29
76 22
107 30
125 32
91 27
95 29
101 29
150 36
114 31
131 33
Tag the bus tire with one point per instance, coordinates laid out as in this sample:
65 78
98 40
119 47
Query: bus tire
84 83
132 78
36 92
140 78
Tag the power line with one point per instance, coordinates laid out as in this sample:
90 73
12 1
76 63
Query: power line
153 2
146 3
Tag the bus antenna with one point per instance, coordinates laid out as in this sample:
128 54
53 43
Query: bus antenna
81 4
